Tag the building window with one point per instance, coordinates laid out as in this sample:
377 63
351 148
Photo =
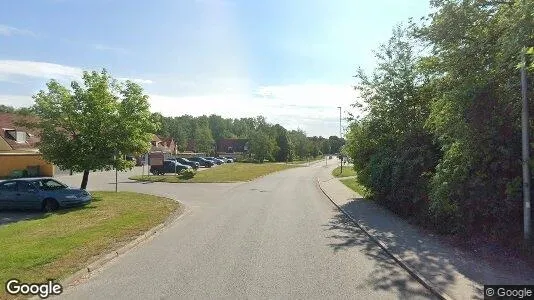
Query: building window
20 137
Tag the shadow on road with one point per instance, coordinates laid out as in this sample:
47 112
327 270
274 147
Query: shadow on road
436 261
386 275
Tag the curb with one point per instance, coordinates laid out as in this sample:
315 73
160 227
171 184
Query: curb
425 282
106 258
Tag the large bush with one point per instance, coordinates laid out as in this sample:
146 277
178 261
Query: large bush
441 137
392 151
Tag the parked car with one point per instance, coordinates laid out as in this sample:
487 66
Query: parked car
169 166
227 159
203 162
187 162
215 160
40 193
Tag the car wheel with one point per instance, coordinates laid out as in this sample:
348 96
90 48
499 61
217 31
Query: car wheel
50 205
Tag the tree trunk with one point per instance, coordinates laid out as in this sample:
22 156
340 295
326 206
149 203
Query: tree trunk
85 179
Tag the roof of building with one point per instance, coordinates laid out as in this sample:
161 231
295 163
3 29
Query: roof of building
167 141
9 127
237 145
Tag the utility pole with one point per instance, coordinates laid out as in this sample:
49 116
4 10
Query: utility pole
526 148
339 121
340 137
116 173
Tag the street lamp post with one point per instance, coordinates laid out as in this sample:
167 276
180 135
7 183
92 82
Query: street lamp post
340 137
339 121
526 152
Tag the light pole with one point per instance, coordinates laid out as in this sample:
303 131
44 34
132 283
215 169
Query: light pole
115 157
526 146
339 121
340 137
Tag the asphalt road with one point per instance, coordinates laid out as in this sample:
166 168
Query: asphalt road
276 237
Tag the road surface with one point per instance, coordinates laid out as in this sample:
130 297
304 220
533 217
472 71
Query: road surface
276 237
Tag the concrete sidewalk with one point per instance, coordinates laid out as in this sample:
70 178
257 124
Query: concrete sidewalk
455 273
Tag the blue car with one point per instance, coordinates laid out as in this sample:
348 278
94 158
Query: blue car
169 166
184 161
43 193
215 160
203 162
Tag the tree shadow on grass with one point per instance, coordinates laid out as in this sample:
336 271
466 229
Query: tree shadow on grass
15 216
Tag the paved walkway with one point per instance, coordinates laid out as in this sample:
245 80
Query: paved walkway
458 274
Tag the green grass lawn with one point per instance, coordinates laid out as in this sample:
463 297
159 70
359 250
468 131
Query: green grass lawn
232 172
311 160
353 184
63 242
347 171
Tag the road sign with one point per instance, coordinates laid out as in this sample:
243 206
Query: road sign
155 158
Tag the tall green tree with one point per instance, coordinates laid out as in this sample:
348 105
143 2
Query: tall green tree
441 136
262 146
475 112
201 135
179 132
285 147
20 110
301 143
335 143
94 124
392 151
220 127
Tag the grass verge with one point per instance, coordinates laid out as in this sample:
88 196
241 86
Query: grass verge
233 172
354 185
347 171
304 161
58 244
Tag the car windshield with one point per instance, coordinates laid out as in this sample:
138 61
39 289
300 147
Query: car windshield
49 184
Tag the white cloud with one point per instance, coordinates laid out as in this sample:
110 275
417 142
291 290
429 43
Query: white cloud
16 100
311 107
137 80
36 69
11 31
308 95
11 70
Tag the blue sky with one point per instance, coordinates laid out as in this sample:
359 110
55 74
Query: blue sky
291 61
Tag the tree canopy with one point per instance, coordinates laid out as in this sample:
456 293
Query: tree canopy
273 142
440 138
92 125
